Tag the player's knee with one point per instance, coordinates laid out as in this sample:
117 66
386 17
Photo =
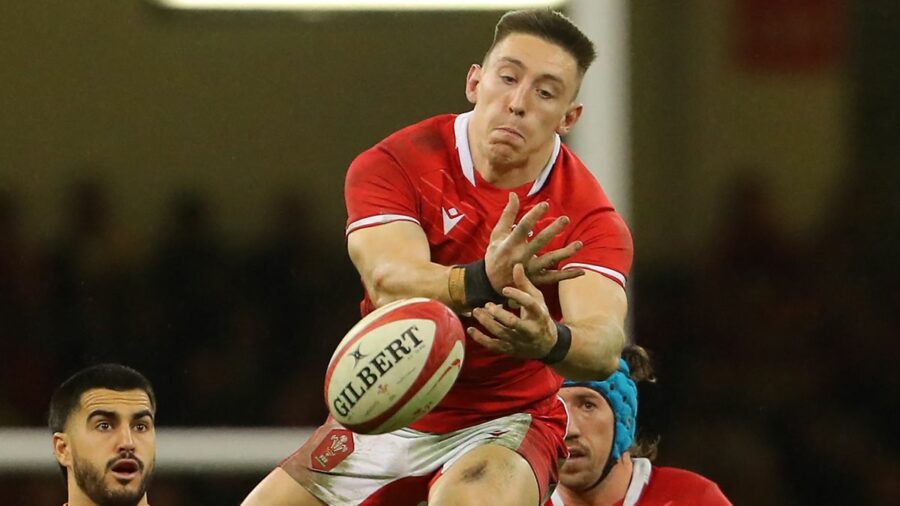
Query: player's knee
473 481
474 472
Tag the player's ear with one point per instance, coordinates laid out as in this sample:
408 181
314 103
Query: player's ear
472 80
569 118
61 449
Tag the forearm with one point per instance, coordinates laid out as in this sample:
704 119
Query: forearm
391 281
394 262
597 344
594 307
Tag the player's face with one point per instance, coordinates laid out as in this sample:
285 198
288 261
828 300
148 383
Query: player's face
523 95
109 446
589 437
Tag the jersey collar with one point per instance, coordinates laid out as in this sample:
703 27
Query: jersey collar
461 130
640 477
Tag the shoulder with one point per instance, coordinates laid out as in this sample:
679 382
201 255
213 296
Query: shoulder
584 199
428 133
572 179
677 474
687 484
428 138
576 191
412 148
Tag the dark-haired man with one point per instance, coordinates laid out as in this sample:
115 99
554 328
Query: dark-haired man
104 439
476 210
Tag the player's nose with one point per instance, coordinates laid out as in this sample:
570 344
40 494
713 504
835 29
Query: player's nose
517 100
572 429
125 439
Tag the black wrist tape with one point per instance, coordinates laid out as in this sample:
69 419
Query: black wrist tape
561 348
478 287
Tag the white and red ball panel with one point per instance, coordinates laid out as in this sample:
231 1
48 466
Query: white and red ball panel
394 366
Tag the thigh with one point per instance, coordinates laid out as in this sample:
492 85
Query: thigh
522 447
488 474
279 489
341 468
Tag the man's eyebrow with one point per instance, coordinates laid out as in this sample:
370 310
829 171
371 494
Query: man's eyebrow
102 413
141 414
518 63
588 396
514 61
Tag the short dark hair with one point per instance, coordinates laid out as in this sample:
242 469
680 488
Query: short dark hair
552 26
110 376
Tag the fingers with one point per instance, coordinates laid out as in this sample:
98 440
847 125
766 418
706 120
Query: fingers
546 235
554 277
507 217
504 332
540 268
500 326
508 320
551 258
524 294
522 282
527 223
494 345
533 305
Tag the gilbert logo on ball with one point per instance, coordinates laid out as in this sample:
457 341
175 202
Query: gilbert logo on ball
394 366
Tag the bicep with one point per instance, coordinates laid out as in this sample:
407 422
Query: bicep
396 243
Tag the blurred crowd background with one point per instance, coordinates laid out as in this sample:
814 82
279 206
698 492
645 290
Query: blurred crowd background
170 198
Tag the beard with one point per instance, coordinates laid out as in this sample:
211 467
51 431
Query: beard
90 480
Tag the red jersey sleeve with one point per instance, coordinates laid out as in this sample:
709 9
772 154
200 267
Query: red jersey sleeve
377 190
608 247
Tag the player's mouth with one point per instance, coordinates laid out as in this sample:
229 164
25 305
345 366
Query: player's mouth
510 132
576 452
125 469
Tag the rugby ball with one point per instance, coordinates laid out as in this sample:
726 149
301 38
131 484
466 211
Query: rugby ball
394 366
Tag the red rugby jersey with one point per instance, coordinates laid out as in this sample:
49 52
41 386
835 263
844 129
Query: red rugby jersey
664 486
424 174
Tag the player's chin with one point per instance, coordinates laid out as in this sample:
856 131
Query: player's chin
502 154
123 496
507 143
130 493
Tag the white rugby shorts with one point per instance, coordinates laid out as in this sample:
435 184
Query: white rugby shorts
396 469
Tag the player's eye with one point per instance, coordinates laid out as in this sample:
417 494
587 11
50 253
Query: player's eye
141 427
507 79
544 94
588 406
104 426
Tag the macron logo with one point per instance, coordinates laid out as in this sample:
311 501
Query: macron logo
451 218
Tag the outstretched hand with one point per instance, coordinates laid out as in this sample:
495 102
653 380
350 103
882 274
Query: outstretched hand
509 245
531 334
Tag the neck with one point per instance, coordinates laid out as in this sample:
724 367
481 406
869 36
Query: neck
606 493
503 173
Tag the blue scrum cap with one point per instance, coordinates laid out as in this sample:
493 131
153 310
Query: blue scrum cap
620 392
